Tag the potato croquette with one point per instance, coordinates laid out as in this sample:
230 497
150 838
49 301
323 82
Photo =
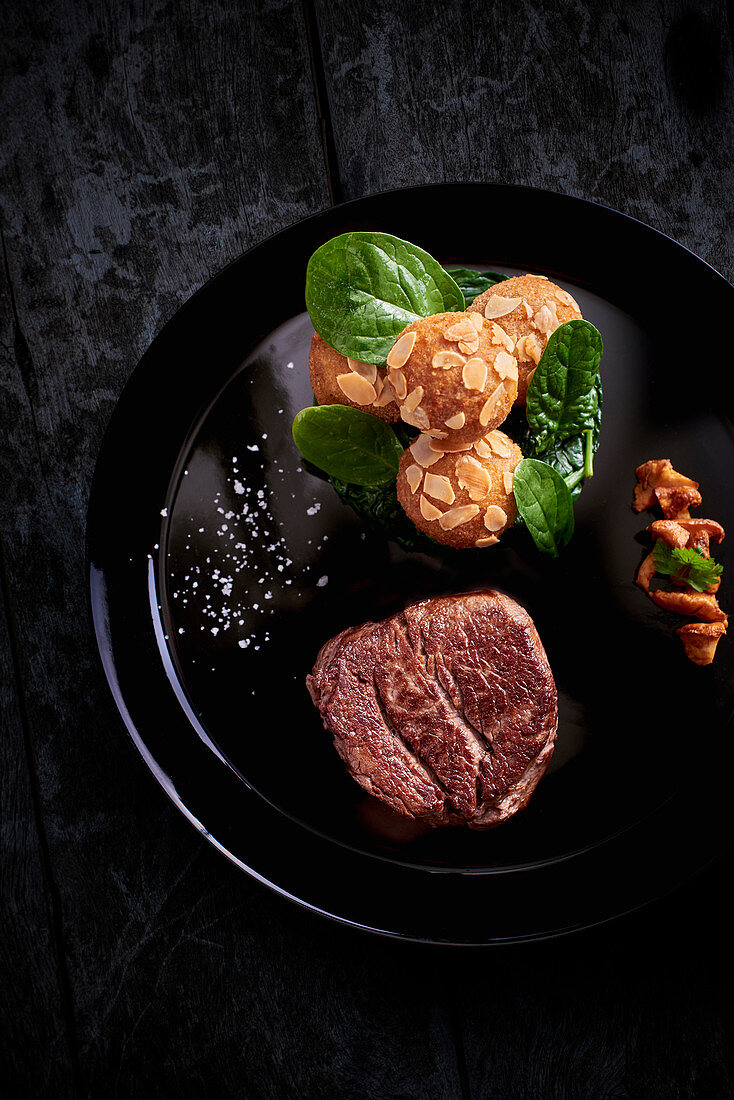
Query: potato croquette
454 375
336 380
460 498
529 308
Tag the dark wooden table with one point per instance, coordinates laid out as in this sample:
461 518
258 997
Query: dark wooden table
144 145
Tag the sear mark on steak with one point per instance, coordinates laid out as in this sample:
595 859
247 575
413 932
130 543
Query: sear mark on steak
447 711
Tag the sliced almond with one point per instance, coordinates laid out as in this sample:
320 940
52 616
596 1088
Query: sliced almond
444 360
455 422
487 540
495 518
425 451
462 330
531 275
474 374
366 370
532 348
490 405
499 336
566 300
399 384
477 320
473 477
530 376
456 516
482 448
470 347
356 388
436 433
520 352
400 352
528 309
416 417
438 487
428 510
499 306
500 443
413 400
546 319
447 447
506 366
386 395
413 476
507 479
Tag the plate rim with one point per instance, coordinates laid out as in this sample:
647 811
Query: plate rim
96 583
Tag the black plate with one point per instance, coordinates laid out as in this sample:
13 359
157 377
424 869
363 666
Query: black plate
218 566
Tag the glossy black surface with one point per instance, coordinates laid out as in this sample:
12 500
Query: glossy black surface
201 511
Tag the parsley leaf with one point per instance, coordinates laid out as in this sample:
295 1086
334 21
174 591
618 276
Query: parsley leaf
686 566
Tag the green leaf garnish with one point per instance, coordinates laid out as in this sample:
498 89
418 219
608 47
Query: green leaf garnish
562 396
686 566
544 502
362 289
348 444
473 283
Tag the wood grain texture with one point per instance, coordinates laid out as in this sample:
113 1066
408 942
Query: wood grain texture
32 1017
631 105
144 146
163 145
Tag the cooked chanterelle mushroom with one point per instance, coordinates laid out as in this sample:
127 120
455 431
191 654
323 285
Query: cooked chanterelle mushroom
659 483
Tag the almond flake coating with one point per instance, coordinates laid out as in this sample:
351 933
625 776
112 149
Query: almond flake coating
424 451
477 321
356 388
400 352
566 300
399 384
438 487
444 360
506 365
385 395
456 421
487 540
428 510
366 370
473 477
495 518
414 476
474 374
546 319
470 347
456 516
462 330
449 447
499 443
416 418
413 400
497 306
482 448
490 404
508 478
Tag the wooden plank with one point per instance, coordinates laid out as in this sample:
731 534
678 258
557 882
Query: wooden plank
629 105
638 1008
32 1017
147 146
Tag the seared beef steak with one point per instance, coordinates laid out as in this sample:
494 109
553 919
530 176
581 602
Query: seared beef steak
447 712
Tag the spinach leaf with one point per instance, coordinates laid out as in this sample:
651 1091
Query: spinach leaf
573 459
562 397
348 444
473 283
362 289
544 502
